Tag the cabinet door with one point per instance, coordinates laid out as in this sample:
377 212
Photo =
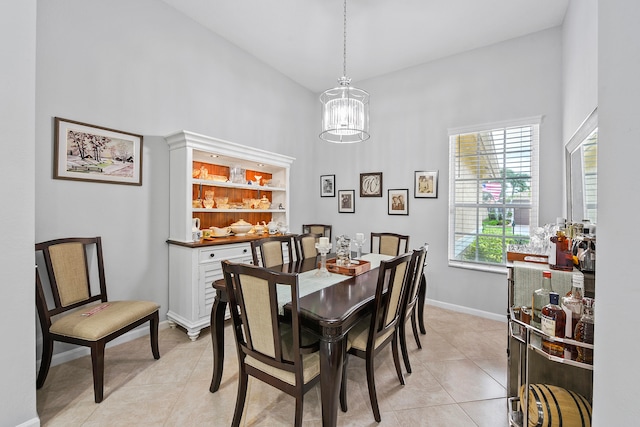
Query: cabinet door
210 270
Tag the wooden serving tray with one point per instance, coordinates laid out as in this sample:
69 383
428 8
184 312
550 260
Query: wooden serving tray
350 270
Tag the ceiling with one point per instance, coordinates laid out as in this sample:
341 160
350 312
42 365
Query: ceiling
303 39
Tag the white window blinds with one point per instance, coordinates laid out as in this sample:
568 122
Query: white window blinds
493 198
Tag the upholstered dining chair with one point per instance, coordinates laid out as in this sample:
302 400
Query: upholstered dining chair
270 348
389 243
410 305
323 229
270 251
306 245
372 334
80 313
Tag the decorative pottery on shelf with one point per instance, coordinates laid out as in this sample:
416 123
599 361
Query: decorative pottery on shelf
241 227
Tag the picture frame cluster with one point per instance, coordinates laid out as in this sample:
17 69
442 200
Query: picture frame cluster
371 185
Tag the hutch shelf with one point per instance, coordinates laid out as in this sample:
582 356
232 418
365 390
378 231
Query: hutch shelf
238 178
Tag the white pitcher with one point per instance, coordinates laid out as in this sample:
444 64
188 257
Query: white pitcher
196 234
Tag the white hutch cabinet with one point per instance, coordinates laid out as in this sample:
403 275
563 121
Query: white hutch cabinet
199 164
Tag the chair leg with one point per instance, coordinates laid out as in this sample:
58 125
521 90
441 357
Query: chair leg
414 326
299 407
97 363
371 385
343 384
403 346
153 333
243 378
396 358
45 361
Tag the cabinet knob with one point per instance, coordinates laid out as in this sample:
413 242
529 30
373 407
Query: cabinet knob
245 251
212 255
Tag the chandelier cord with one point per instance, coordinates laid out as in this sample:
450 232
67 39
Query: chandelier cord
344 55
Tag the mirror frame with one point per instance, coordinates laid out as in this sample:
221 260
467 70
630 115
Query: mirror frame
584 130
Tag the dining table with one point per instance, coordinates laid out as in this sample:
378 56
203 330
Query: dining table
329 308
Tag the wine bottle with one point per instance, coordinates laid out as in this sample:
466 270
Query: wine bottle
572 306
584 331
540 298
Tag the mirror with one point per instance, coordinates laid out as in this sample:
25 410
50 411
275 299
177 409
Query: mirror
582 171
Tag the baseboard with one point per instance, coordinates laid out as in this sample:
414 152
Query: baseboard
467 310
78 352
33 422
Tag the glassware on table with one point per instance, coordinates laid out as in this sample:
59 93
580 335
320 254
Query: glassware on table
324 247
359 243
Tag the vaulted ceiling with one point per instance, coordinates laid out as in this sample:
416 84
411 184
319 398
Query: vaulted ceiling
303 39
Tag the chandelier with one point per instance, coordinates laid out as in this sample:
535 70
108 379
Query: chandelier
345 109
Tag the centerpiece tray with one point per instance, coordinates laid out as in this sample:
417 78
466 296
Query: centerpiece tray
349 270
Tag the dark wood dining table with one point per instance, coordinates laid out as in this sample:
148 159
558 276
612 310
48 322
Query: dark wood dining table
330 313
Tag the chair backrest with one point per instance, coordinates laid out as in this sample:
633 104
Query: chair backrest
323 229
259 331
306 245
418 261
270 251
66 262
389 243
393 279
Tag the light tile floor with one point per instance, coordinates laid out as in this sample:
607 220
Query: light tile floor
458 380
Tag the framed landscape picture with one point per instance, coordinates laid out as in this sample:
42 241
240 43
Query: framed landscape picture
426 184
86 152
347 201
371 184
398 202
327 186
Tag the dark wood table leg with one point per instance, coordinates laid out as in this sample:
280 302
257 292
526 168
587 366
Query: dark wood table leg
331 355
217 338
422 296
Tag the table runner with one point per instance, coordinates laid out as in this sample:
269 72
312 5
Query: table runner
309 283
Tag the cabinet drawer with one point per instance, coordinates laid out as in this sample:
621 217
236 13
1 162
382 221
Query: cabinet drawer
221 253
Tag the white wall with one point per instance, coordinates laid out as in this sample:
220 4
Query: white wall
17 116
411 111
142 67
615 362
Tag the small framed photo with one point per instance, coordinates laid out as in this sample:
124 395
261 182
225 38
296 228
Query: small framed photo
87 152
399 202
426 184
347 201
371 184
327 186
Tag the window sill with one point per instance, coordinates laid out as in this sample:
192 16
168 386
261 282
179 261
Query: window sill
496 269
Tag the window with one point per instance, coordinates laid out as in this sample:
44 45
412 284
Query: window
493 190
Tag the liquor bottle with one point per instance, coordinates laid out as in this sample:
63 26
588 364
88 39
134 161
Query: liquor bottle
540 298
572 306
584 331
564 255
553 321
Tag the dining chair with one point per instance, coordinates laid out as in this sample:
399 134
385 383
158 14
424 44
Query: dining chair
270 348
369 336
389 243
83 314
270 251
410 309
306 245
323 229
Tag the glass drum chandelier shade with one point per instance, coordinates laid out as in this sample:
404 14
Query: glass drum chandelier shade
345 109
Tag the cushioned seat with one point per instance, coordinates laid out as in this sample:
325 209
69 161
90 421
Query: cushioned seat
272 348
79 315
